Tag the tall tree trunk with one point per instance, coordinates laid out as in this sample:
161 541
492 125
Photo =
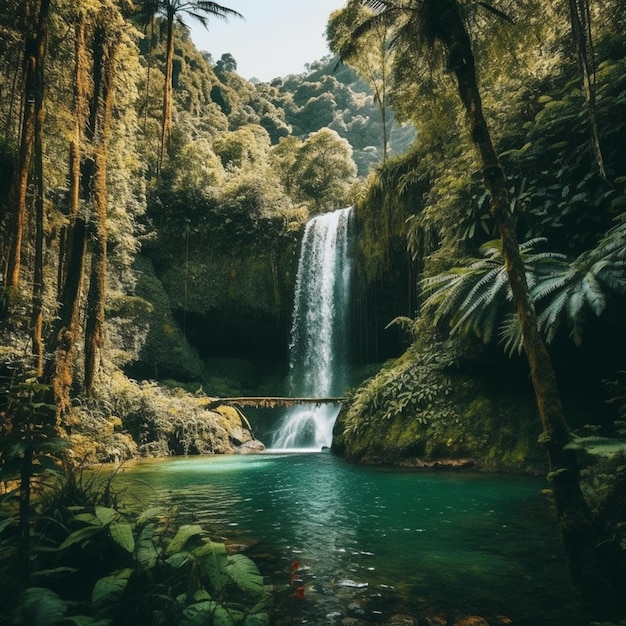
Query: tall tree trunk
75 151
104 54
581 30
166 127
67 326
38 277
24 161
594 577
72 245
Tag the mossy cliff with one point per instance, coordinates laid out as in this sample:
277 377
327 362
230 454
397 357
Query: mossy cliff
436 406
214 301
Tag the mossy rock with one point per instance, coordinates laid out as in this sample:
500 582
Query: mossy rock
424 407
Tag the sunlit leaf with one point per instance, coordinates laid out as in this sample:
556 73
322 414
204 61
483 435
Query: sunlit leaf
184 534
245 574
106 515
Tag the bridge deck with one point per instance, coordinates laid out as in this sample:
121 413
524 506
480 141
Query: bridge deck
267 402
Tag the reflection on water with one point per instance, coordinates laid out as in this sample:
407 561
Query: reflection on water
377 542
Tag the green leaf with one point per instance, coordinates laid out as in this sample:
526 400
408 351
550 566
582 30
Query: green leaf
258 619
184 534
56 572
106 515
212 561
88 518
147 555
179 559
207 612
109 589
122 533
149 514
80 535
39 607
83 620
245 574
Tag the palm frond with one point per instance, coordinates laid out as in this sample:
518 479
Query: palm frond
576 313
550 318
593 294
489 323
511 334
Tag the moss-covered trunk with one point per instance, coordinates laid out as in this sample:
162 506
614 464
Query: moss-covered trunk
104 56
166 126
40 114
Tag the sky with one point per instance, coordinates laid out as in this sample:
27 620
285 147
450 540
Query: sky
276 38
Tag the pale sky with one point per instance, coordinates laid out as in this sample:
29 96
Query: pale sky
276 38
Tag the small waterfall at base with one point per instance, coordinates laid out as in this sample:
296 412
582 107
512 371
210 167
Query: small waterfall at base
318 350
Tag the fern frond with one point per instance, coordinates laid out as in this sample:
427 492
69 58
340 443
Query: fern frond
511 334
593 294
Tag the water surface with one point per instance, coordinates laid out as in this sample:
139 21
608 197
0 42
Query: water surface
373 542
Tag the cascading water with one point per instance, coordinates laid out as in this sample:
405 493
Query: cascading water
318 348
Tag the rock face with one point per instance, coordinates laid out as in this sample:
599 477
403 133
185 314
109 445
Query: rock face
216 304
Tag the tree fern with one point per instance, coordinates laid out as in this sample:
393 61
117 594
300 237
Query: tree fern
475 298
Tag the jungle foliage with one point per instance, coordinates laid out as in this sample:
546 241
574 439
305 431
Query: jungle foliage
130 200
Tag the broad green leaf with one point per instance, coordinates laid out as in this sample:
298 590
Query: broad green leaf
110 588
212 561
122 533
245 574
147 554
258 619
80 535
179 559
88 518
39 607
182 537
106 515
201 595
149 514
203 613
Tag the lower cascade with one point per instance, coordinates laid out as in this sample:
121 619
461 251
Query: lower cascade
318 351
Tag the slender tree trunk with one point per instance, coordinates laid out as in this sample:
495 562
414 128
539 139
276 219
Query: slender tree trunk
75 151
23 167
38 277
581 30
592 575
67 326
166 128
72 245
94 330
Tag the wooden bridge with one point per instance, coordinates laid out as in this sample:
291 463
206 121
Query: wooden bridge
266 402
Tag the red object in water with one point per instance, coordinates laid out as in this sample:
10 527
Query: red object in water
294 566
300 593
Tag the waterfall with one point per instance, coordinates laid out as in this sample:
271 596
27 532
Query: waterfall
318 347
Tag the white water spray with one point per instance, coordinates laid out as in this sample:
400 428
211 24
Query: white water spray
318 348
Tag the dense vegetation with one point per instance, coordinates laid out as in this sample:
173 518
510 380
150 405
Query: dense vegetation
151 203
